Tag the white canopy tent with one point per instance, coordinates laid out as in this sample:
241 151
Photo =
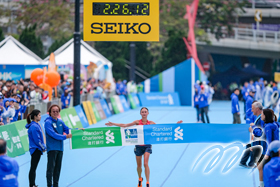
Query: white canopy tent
65 55
12 52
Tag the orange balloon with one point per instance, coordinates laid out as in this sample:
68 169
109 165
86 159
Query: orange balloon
48 88
52 78
37 76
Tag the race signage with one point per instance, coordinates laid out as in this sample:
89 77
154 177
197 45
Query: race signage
128 20
158 134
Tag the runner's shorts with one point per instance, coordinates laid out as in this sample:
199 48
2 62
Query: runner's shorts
140 150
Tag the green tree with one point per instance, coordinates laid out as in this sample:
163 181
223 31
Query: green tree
173 52
213 15
2 37
53 17
29 39
115 52
119 54
57 44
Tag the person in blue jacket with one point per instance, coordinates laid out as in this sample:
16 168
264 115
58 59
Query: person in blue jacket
8 168
36 143
65 98
245 93
271 130
203 105
196 103
235 109
54 129
271 171
249 102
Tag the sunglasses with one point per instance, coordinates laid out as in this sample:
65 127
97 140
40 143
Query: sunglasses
55 111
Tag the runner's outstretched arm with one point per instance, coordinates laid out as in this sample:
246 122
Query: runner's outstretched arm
136 122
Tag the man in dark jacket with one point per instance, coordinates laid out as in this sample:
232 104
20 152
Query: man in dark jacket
8 168
54 129
235 109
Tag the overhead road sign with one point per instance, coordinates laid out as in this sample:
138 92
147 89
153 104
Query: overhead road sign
128 20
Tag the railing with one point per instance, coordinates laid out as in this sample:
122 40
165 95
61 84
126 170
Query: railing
249 35
257 35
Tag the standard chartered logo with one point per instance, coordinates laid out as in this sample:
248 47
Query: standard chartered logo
179 133
110 137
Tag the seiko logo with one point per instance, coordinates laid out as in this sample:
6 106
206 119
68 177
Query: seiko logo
120 28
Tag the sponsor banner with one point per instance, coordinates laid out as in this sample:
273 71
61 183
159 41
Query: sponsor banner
110 106
114 105
159 99
23 134
96 114
118 102
12 72
132 135
180 133
105 107
82 116
136 99
159 134
124 102
14 145
131 101
95 137
99 109
86 109
91 112
70 118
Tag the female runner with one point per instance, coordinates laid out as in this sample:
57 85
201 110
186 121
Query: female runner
141 150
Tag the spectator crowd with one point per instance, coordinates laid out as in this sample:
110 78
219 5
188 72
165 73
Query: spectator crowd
16 96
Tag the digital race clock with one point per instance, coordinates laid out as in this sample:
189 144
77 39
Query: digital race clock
121 9
124 20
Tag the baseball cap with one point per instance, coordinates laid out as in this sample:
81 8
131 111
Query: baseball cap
274 146
65 88
18 96
12 99
253 90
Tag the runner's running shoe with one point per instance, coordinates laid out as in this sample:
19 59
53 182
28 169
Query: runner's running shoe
140 182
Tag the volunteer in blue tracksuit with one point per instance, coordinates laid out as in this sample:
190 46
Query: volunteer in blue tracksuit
203 105
271 130
54 129
65 98
8 168
36 143
271 171
196 104
245 93
235 109
249 102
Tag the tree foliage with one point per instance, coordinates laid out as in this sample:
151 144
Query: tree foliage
2 37
213 15
173 52
57 44
53 17
31 41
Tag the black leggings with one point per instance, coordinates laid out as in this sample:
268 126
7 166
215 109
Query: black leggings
35 158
